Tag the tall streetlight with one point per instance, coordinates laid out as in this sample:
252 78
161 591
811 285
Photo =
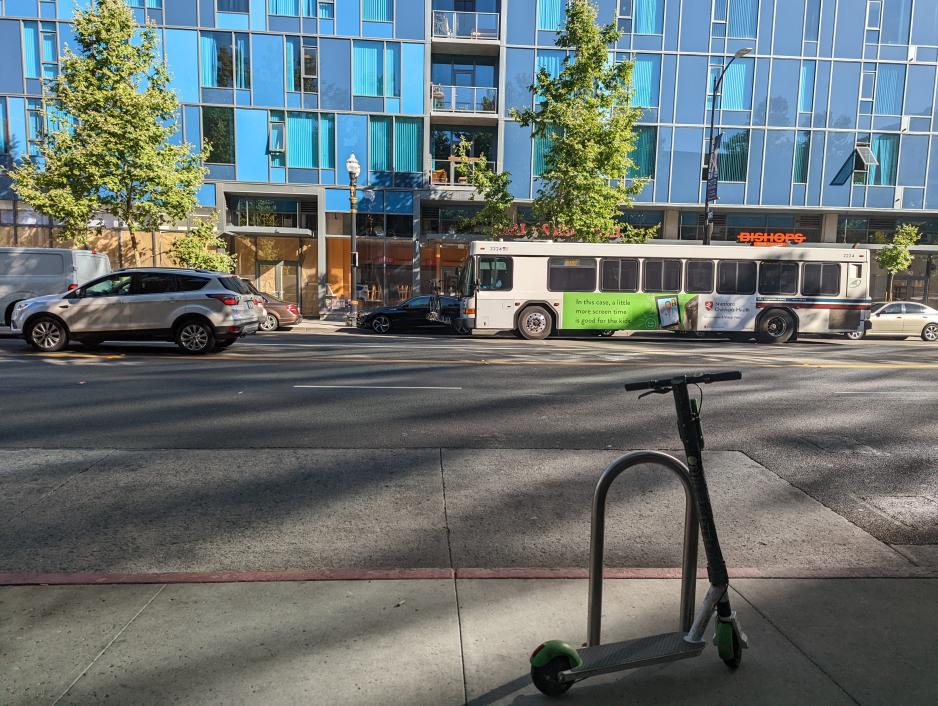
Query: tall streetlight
354 169
711 193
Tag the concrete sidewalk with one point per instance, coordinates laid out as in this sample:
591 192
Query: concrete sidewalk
813 641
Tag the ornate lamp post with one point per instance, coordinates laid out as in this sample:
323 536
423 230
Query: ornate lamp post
712 177
354 169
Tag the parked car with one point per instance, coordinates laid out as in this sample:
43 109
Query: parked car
900 319
32 272
276 314
409 315
198 309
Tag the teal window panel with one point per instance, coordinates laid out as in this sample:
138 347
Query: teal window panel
646 79
806 91
550 14
182 58
251 144
378 10
643 152
289 8
802 157
408 144
32 59
648 17
368 68
733 157
890 87
886 150
380 143
302 140
327 141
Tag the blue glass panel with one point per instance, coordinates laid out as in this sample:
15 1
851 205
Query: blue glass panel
408 144
380 142
812 20
914 155
886 150
687 159
517 159
31 58
897 18
268 84
519 69
414 86
919 91
692 96
648 17
182 58
663 165
521 29
845 89
302 140
206 195
335 84
646 78
806 90
925 23
777 177
251 144
789 29
890 86
338 200
743 18
695 26
550 14
850 28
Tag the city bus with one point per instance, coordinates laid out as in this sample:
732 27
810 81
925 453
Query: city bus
540 288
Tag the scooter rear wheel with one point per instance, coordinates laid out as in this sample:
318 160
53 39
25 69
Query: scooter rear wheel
728 645
547 678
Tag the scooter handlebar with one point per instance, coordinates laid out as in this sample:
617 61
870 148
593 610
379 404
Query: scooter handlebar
691 379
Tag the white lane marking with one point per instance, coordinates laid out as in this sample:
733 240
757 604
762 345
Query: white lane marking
372 387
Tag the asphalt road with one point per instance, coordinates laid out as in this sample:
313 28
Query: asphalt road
849 423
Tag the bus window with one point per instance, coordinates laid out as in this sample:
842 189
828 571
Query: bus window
619 275
698 277
820 279
778 278
662 276
494 273
736 277
571 274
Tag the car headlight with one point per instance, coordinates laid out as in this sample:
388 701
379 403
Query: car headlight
20 306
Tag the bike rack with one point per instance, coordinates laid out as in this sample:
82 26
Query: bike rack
598 528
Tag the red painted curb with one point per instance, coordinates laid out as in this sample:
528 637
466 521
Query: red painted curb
502 573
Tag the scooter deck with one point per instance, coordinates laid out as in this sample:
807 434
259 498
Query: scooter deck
617 656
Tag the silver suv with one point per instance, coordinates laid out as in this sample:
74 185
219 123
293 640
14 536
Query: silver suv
198 309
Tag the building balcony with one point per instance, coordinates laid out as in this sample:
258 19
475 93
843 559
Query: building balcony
464 99
445 172
449 24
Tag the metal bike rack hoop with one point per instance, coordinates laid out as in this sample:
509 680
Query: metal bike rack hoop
597 536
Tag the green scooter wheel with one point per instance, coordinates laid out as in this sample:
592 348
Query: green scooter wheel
547 678
731 651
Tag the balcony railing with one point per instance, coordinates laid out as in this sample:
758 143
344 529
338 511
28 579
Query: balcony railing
465 25
464 99
445 171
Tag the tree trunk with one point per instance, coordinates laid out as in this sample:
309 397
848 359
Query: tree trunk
120 245
889 279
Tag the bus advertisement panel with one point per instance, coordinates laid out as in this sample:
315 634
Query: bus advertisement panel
647 312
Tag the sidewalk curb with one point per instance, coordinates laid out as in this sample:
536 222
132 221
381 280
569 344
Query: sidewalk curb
9 579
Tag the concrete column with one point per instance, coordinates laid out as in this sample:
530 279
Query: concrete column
670 229
829 228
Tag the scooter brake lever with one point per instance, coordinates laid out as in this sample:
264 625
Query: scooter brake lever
656 391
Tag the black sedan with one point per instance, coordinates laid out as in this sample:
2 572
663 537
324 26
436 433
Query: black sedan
411 315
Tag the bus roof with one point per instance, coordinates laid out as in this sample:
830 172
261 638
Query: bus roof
672 249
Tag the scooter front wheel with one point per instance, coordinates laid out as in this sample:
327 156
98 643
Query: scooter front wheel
547 678
728 645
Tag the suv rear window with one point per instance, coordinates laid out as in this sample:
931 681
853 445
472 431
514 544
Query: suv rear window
234 284
188 283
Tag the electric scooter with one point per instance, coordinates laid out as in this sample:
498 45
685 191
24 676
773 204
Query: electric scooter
556 665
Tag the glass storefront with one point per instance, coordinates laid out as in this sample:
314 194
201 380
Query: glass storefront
440 262
284 267
730 226
852 229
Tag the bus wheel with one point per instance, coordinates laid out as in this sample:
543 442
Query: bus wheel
775 326
535 323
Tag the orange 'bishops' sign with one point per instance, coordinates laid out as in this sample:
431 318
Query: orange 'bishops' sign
769 239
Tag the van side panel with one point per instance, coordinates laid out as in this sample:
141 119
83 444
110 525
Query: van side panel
89 266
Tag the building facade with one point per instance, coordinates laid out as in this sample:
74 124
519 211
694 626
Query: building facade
829 125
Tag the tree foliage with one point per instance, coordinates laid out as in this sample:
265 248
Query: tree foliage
587 114
110 117
201 248
895 255
494 218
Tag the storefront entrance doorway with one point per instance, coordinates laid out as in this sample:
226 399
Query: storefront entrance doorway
280 278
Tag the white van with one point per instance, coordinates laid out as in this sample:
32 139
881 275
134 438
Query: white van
33 272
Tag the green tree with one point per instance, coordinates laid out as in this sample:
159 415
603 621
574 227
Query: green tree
111 116
494 218
586 114
201 248
895 255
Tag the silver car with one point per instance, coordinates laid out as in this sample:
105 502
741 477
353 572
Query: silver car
901 319
198 309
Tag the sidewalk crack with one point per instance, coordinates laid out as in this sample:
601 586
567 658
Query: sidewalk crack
449 549
108 645
794 644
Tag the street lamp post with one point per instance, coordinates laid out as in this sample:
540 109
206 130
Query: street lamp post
354 169
711 158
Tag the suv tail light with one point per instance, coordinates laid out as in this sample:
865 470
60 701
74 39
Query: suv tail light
226 299
293 309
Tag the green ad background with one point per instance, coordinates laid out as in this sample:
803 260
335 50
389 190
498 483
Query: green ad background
615 310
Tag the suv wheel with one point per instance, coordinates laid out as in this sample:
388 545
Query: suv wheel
47 334
195 337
